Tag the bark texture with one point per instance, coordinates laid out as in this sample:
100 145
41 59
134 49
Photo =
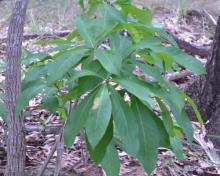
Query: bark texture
16 140
206 91
211 89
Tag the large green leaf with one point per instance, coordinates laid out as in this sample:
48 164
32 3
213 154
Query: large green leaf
163 60
125 124
94 68
104 25
86 30
149 135
177 146
166 36
185 60
110 61
63 62
152 71
78 118
175 100
114 13
99 116
119 44
35 73
99 151
111 162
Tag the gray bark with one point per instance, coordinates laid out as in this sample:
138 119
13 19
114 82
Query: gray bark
16 140
211 90
206 91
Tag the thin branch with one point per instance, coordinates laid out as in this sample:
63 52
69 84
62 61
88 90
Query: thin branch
43 168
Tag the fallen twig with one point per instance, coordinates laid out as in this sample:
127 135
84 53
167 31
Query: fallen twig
208 147
50 129
178 75
60 149
190 48
44 166
211 17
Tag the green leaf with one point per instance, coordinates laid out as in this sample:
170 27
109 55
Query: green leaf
50 103
147 43
146 56
152 71
119 44
175 100
166 36
99 116
114 13
125 124
172 95
141 15
184 122
88 83
35 73
165 60
111 162
198 115
93 5
86 30
3 111
167 119
27 94
81 4
104 25
99 151
33 58
110 61
149 135
78 118
138 88
177 147
94 68
63 62
72 35
135 34
71 95
186 60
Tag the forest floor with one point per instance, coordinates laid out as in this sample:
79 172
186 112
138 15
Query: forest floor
194 27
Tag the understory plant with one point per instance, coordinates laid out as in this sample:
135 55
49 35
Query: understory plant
112 67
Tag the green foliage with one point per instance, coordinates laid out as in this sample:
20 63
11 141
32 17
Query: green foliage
94 66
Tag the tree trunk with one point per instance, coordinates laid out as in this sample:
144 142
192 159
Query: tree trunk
206 91
16 139
211 89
